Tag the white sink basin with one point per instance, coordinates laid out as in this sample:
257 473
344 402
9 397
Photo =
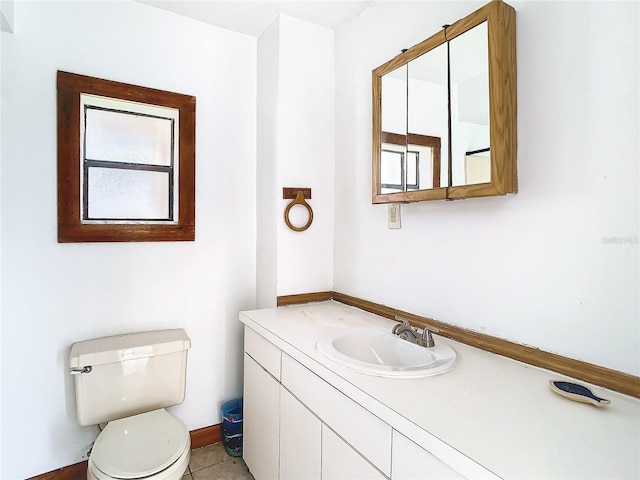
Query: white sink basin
381 353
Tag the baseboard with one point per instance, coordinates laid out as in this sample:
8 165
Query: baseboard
304 298
78 471
206 436
588 372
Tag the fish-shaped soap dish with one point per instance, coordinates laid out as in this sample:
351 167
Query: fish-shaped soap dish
577 393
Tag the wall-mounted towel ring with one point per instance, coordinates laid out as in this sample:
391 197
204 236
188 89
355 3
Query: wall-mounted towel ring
299 200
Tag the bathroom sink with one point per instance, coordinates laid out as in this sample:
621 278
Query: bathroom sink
381 353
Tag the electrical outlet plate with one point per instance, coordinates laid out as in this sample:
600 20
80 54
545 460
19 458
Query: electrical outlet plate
393 215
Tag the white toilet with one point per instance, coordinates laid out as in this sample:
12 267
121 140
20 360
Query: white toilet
128 380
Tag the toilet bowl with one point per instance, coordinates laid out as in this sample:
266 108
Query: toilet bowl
153 445
127 381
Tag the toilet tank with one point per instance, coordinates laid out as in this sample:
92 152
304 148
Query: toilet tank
129 374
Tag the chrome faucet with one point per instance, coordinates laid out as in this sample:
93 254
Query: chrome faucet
406 332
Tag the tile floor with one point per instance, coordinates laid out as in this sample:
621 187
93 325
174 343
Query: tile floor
213 463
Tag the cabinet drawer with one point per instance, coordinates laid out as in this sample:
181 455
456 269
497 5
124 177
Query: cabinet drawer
364 431
262 351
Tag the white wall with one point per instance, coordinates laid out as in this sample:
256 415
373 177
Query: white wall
296 127
55 294
535 268
306 153
267 167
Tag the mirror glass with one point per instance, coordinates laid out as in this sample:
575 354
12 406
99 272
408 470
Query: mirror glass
393 154
428 117
470 135
414 125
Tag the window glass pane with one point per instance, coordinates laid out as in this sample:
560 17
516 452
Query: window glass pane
126 137
128 194
413 159
391 168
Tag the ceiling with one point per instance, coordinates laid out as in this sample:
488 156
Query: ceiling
253 17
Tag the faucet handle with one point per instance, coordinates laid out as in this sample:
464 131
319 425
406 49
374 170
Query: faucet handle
427 338
404 321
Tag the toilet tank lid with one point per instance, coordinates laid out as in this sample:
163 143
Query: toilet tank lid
118 348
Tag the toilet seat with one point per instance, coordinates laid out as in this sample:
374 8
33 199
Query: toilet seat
143 445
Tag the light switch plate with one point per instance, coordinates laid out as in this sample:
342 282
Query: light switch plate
393 215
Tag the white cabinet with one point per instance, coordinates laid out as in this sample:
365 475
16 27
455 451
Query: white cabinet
300 440
409 461
341 462
297 426
261 406
351 421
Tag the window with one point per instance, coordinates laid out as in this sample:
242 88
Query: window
409 162
126 162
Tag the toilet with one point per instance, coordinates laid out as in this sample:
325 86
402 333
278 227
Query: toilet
128 381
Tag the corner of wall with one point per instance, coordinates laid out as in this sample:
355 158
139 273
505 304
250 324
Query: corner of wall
6 16
266 165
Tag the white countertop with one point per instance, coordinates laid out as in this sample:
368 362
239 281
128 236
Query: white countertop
499 412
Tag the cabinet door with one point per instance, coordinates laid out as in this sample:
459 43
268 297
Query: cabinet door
349 420
409 461
260 421
300 434
341 462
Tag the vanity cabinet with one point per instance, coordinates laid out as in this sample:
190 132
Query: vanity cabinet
453 425
353 423
298 426
310 450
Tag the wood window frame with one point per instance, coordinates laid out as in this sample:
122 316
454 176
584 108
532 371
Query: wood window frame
422 140
70 227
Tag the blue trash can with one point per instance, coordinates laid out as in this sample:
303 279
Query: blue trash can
232 426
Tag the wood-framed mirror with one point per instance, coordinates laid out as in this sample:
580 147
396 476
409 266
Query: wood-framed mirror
444 113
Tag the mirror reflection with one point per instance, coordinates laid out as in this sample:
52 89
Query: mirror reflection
470 133
409 162
414 140
415 117
394 164
428 113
